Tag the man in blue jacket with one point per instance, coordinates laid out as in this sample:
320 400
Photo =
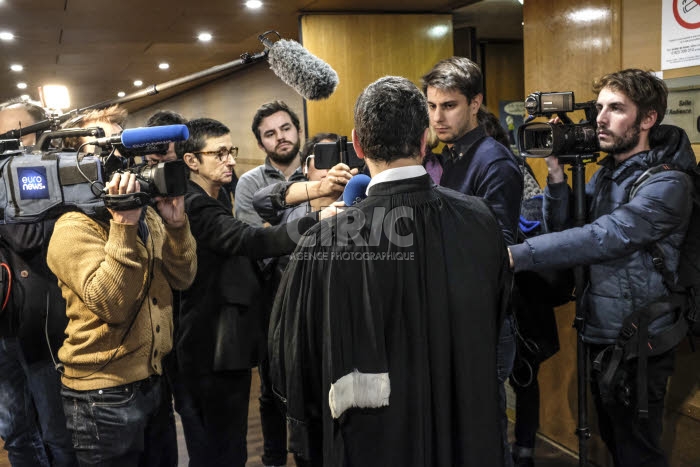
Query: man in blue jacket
617 243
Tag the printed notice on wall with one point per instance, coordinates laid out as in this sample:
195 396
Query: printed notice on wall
683 110
680 33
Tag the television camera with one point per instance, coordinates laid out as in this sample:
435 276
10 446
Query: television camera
41 178
538 139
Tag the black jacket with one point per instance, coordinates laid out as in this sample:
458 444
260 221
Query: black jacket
221 323
32 305
420 315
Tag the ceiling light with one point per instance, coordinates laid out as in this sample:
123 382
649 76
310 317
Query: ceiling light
163 66
22 85
121 94
16 67
6 36
254 4
54 96
138 83
204 36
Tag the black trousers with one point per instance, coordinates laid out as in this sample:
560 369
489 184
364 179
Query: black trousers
214 411
272 420
635 442
527 403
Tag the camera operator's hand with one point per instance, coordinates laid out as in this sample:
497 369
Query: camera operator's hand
336 179
554 169
121 184
172 210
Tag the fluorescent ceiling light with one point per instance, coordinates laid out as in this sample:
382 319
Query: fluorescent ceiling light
138 83
163 66
204 37
16 67
254 4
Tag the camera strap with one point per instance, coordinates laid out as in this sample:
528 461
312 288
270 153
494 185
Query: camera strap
127 202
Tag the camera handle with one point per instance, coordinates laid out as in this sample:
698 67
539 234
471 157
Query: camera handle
583 431
126 202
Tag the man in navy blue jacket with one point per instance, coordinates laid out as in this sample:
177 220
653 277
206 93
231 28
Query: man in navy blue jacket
476 164
618 241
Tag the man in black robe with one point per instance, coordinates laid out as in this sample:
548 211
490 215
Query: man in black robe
382 337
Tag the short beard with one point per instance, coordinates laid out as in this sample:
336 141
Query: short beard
624 143
285 159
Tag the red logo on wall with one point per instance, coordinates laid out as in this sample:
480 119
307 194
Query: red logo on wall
687 13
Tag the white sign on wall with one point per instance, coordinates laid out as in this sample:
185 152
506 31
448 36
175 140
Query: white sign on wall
680 33
684 111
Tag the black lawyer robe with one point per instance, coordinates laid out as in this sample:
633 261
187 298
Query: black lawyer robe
427 314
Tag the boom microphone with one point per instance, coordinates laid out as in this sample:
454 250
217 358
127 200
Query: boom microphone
145 136
307 74
356 189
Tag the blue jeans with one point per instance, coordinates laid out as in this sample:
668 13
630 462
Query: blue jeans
122 426
18 417
505 356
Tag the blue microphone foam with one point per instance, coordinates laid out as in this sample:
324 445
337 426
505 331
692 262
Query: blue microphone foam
355 190
137 137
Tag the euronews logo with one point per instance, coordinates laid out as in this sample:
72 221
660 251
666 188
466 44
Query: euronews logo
32 183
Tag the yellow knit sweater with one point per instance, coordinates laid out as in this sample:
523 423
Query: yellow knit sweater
118 296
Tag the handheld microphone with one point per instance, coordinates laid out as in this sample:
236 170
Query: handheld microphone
307 74
356 189
145 136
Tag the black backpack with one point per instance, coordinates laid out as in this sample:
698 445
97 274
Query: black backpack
634 341
686 293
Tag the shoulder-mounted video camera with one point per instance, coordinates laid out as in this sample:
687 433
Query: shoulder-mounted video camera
39 179
537 139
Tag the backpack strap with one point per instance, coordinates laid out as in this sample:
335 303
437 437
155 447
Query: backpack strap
634 342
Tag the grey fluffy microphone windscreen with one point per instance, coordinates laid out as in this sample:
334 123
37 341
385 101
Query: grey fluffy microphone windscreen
310 76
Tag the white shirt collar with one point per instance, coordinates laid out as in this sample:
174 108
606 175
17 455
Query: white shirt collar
398 173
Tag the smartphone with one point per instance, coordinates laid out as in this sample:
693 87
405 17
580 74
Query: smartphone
326 155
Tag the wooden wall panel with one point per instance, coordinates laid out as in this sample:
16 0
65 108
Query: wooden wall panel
641 34
566 46
363 48
503 73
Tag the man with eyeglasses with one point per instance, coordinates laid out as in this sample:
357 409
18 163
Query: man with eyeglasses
221 333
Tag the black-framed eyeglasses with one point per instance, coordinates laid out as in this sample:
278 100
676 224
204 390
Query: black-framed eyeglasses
222 154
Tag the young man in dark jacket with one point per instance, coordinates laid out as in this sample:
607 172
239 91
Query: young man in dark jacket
476 164
617 243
